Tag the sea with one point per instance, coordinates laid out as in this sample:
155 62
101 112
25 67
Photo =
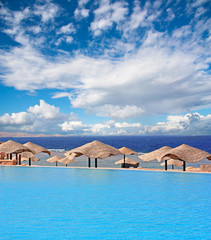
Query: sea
141 144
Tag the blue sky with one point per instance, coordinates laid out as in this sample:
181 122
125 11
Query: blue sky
105 67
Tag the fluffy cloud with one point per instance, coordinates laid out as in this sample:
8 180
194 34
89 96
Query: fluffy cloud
71 126
46 118
108 14
81 11
45 111
42 118
21 118
48 11
155 79
103 128
117 112
191 123
67 29
139 70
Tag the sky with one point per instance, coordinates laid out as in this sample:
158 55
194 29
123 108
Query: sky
103 67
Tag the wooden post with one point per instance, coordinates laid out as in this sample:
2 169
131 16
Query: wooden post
172 166
95 162
184 165
66 165
89 162
10 156
30 162
56 163
16 155
7 156
124 162
19 159
166 167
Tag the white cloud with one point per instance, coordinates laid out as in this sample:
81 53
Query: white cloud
67 29
42 118
81 13
107 15
61 95
45 111
103 128
145 71
191 123
48 11
35 29
71 125
46 118
198 3
156 80
21 118
67 39
118 112
171 14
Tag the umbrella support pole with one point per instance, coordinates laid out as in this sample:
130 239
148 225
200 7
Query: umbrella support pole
184 165
19 160
30 162
124 162
166 167
95 162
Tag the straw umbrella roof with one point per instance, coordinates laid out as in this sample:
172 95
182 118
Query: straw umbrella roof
155 155
95 149
127 151
186 153
37 148
67 160
54 159
127 161
14 147
174 162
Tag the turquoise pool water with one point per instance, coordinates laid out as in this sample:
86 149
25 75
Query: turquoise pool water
64 203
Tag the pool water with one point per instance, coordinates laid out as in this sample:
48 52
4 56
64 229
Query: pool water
66 203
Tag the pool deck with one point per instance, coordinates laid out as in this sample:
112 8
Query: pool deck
191 170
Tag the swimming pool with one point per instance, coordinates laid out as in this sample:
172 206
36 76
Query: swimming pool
66 203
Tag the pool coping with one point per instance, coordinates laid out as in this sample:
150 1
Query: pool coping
107 168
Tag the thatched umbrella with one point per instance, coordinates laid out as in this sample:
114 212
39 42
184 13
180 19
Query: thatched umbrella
186 153
156 155
11 147
127 162
36 149
95 150
14 147
173 162
126 151
54 159
67 160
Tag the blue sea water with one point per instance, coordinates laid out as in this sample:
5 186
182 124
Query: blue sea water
66 203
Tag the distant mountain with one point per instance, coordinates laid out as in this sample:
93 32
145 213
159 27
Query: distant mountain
12 134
